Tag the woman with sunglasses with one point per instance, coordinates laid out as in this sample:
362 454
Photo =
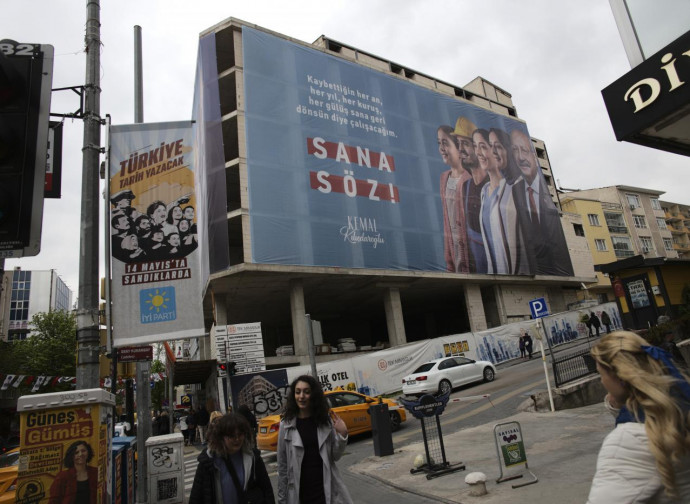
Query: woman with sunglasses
230 471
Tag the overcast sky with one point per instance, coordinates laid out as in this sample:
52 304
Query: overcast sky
554 58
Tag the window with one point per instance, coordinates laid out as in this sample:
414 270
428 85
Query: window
647 245
655 203
640 221
633 201
615 222
622 246
579 230
668 244
661 223
19 304
593 219
600 244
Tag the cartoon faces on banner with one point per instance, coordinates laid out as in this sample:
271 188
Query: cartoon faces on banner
156 283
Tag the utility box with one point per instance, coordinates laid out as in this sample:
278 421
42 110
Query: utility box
128 470
64 434
117 456
165 458
381 429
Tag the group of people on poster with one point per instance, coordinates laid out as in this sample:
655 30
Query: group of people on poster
498 215
165 231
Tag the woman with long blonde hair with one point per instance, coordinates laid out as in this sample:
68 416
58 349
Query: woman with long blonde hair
646 458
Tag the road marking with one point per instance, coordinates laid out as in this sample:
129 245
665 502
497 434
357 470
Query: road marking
406 435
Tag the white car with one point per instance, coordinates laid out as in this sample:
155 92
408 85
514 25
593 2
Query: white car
443 375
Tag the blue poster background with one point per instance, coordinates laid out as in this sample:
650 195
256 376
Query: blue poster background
294 93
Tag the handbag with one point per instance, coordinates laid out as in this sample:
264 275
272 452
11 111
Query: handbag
254 495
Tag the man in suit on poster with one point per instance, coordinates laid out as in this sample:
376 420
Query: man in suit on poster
539 218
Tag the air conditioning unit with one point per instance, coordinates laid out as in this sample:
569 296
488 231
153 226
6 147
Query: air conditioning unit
633 207
646 250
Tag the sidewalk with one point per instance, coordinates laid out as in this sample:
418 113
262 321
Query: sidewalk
561 448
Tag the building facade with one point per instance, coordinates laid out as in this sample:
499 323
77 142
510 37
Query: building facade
253 276
678 223
26 293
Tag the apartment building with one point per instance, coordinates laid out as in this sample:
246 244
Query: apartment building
25 293
678 223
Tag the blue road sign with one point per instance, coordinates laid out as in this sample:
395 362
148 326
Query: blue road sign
538 308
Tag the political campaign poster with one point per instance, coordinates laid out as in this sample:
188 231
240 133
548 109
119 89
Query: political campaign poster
65 447
156 285
369 170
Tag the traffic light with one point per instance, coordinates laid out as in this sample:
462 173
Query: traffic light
222 370
232 371
26 76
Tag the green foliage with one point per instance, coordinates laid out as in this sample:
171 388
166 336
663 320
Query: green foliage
51 350
159 389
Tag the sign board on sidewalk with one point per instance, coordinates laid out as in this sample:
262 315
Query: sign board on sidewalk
135 353
510 449
538 308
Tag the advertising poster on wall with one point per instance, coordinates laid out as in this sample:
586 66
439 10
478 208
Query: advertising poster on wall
263 393
62 446
156 287
367 170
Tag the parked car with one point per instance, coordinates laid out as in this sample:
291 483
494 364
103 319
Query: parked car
443 375
352 407
9 468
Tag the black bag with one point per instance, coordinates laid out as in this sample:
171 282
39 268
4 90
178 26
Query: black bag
253 495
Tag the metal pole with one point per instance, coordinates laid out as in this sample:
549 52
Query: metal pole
143 427
543 334
310 342
88 337
143 368
138 78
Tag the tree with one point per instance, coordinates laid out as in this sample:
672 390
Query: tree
159 389
52 347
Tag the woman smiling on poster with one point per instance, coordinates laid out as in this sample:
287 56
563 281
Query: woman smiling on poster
78 483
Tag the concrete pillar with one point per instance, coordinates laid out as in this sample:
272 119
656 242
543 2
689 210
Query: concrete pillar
394 317
299 323
501 305
475 307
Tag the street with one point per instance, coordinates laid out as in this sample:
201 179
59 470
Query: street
513 385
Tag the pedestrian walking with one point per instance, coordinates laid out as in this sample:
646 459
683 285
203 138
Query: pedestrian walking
229 469
522 344
646 458
247 413
164 424
184 428
528 344
595 322
606 320
191 425
215 415
202 419
310 440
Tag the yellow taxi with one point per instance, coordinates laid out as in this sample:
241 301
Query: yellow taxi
352 407
9 468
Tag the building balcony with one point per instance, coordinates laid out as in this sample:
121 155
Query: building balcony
611 206
624 253
618 229
672 216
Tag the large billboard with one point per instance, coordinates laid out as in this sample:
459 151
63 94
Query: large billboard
350 167
156 286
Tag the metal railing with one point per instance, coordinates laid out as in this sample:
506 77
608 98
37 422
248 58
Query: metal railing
572 366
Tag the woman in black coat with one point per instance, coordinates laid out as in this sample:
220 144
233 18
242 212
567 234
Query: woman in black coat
229 469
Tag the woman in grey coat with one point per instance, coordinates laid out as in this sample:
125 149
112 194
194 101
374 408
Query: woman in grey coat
311 439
